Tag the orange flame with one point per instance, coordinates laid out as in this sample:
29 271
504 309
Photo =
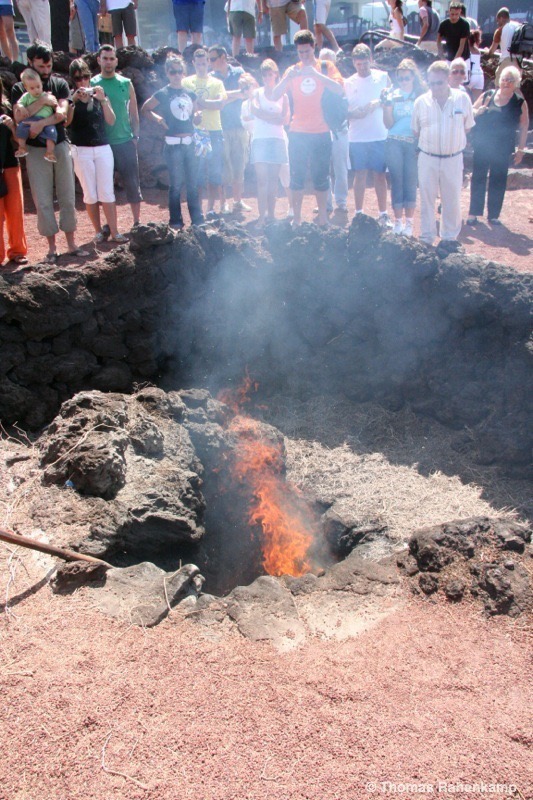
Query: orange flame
239 397
276 506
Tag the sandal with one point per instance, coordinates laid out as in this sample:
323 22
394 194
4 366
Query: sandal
100 237
120 238
79 252
51 258
51 159
21 154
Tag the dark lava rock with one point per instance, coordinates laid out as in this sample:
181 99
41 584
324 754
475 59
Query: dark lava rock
503 591
454 590
428 583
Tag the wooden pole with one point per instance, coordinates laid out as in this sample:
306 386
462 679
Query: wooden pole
31 544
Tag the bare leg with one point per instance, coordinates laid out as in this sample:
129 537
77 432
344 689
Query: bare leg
330 36
277 43
318 36
359 186
301 19
119 41
4 43
238 187
12 50
321 201
71 241
182 40
136 212
261 170
249 46
297 200
196 38
236 46
110 211
273 178
380 185
51 244
131 41
93 212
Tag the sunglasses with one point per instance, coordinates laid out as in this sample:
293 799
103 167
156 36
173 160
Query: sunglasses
174 72
213 58
436 83
404 80
458 72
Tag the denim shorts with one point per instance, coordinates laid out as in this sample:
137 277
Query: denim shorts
368 155
189 16
212 167
6 10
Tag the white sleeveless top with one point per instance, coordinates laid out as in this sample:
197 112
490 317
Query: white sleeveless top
263 129
395 28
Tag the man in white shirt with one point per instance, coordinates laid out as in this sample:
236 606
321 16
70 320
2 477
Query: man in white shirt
441 119
505 30
367 131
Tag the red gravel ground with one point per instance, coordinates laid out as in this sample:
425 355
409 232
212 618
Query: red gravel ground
434 696
93 709
510 244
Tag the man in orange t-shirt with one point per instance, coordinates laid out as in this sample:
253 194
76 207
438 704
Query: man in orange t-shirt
309 135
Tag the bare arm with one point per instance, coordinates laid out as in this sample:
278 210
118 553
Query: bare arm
461 48
23 112
495 41
424 30
148 111
284 85
134 113
523 126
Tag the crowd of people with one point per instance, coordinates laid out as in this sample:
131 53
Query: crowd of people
309 123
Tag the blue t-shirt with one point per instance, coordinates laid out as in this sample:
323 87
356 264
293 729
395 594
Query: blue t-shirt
402 111
231 114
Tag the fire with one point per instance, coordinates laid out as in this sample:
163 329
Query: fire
276 506
239 397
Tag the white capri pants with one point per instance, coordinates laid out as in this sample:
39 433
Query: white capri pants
94 167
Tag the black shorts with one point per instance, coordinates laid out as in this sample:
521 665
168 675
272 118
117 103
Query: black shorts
127 166
124 18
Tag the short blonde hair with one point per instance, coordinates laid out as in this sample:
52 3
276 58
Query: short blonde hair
439 66
269 65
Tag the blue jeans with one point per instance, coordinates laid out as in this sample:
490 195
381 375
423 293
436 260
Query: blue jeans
402 164
87 12
183 172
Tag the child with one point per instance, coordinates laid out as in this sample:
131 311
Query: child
34 91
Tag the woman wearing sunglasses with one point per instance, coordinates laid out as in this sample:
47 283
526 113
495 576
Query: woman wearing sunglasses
93 161
173 108
400 147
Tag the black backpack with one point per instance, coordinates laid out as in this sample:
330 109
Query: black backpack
334 107
522 41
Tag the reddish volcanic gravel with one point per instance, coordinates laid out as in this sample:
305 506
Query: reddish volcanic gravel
510 244
95 709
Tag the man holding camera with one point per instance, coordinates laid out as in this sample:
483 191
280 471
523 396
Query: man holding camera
367 131
124 134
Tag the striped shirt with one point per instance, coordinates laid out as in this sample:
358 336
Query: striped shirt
442 131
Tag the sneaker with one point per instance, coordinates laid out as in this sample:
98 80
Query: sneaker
398 226
240 205
408 228
290 213
120 238
211 214
100 237
494 221
225 208
384 221
471 221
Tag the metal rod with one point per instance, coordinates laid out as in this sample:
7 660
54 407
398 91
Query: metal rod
31 544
